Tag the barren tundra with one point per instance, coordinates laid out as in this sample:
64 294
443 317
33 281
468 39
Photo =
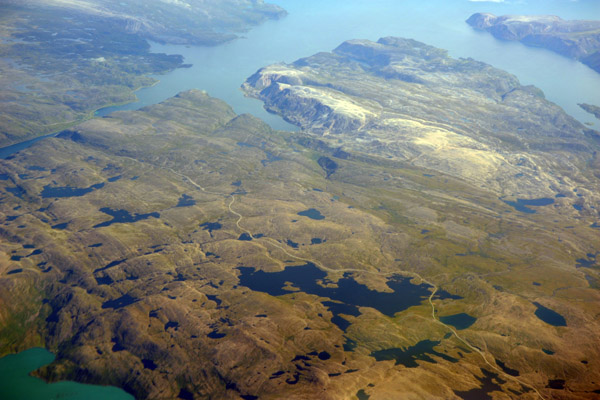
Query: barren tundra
430 233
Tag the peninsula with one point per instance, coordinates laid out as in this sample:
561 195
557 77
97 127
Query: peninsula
579 40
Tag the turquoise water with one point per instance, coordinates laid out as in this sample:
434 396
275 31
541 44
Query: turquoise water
317 25
17 384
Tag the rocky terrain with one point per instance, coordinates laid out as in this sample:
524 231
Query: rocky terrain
198 22
406 101
183 251
592 109
62 60
575 39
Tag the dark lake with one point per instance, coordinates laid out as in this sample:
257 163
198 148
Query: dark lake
68 191
523 205
507 370
245 237
549 316
63 225
149 364
16 191
10 150
186 201
123 217
362 395
211 226
216 335
490 382
558 384
312 213
459 321
409 356
346 298
589 262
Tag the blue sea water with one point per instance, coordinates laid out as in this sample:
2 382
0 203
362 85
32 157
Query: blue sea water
321 25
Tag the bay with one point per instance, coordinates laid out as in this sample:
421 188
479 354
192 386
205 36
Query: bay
16 383
321 25
316 25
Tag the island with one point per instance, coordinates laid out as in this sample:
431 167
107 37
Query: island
592 109
577 39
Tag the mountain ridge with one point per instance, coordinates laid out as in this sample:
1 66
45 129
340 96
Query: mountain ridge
577 39
405 100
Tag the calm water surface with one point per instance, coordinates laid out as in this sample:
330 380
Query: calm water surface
320 25
317 25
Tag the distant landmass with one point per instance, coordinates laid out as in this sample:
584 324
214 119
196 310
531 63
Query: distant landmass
592 109
579 40
405 100
62 60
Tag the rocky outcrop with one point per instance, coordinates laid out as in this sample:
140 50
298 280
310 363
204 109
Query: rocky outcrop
575 39
592 109
402 99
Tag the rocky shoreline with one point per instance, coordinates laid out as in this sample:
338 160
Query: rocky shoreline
579 40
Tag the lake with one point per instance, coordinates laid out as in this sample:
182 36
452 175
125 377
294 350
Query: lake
549 316
9 150
346 295
17 384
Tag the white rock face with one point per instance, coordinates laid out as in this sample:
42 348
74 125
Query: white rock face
404 100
